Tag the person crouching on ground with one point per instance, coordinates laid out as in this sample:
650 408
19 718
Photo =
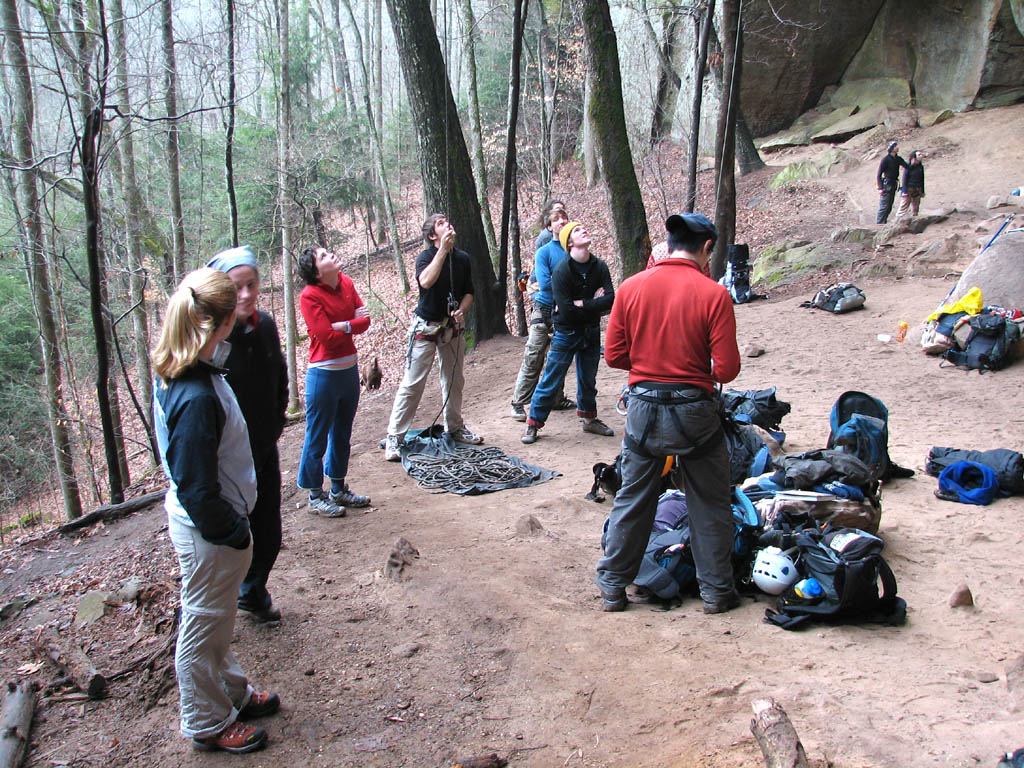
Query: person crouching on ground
674 330
913 187
446 294
334 313
259 378
582 289
204 450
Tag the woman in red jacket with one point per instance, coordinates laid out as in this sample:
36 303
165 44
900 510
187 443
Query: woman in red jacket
334 313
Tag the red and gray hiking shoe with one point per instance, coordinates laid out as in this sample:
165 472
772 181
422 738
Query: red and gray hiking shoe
236 738
261 704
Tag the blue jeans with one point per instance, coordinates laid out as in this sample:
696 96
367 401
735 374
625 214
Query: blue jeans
584 345
331 400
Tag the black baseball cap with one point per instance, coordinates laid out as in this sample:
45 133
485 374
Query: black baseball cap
697 223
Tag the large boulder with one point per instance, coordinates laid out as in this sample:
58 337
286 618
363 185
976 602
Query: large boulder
824 164
866 119
998 272
893 92
952 51
787 263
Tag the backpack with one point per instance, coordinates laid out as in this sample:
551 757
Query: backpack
1008 465
989 344
838 298
848 565
939 335
860 426
737 274
760 405
667 570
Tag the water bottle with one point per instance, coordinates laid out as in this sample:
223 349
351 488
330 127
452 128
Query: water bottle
808 589
901 331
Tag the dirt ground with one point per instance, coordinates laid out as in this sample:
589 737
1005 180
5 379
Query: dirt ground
494 640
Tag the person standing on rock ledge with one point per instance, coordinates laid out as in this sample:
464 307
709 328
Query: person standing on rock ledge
887 181
913 187
674 330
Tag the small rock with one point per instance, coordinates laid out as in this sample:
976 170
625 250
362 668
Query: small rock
128 591
309 672
987 677
753 350
406 650
91 607
961 597
528 525
995 201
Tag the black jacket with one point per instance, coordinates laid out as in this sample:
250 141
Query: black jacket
568 284
889 170
913 176
259 378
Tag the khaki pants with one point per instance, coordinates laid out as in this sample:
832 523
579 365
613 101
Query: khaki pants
451 352
213 688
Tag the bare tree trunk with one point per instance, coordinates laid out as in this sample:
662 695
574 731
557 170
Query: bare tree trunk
746 152
699 69
632 241
284 202
377 57
378 154
475 131
229 142
517 257
22 126
725 144
518 20
447 173
133 204
173 154
591 166
668 78
341 73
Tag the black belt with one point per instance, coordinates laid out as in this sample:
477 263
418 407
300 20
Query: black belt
668 393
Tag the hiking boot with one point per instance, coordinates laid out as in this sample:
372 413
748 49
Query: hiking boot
324 507
392 449
613 602
465 435
236 738
564 404
261 704
530 436
722 605
597 427
518 413
268 615
345 498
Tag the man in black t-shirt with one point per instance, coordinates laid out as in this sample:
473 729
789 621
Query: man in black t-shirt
887 180
446 293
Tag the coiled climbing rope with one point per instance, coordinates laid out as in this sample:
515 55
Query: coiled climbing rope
464 468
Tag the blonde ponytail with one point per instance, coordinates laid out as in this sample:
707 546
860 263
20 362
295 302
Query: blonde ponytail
203 300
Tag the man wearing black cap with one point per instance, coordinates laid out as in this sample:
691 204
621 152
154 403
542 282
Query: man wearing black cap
674 330
259 378
887 181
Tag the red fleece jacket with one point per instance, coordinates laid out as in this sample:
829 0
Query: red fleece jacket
322 305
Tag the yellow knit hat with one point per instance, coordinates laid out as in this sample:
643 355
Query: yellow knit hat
564 232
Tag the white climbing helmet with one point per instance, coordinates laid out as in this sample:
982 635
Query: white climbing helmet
774 570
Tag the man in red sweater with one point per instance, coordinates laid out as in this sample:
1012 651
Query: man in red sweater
674 330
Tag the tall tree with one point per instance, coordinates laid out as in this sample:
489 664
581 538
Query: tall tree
475 130
632 240
173 151
378 155
591 165
284 200
229 123
445 167
133 205
725 142
518 19
699 68
669 81
23 117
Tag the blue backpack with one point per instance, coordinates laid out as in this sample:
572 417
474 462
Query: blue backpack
860 426
667 570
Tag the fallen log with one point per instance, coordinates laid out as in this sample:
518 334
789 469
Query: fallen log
74 664
776 736
110 512
15 723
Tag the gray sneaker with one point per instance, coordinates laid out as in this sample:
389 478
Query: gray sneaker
518 413
465 435
324 507
530 436
597 427
392 449
348 499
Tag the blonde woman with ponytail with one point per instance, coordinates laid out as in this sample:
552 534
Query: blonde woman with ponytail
204 449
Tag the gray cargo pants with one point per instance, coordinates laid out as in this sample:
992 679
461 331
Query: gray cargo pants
681 422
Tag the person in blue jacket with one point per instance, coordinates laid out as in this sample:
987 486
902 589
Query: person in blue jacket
204 450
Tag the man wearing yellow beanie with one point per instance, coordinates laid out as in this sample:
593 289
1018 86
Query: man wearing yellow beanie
583 292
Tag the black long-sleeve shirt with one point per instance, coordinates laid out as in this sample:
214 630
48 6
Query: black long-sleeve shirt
913 177
573 281
889 171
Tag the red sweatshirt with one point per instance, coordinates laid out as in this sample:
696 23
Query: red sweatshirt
670 323
322 305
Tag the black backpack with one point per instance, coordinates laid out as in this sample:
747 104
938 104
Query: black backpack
989 343
848 564
837 298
